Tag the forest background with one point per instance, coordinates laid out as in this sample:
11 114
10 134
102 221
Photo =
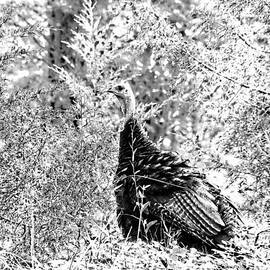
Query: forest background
200 73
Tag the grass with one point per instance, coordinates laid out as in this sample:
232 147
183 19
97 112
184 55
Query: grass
108 250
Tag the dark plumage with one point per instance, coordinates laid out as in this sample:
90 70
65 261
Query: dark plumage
159 196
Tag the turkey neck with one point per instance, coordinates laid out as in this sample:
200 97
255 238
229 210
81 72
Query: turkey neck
133 145
129 133
129 107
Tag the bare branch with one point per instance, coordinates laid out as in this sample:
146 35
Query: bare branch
212 69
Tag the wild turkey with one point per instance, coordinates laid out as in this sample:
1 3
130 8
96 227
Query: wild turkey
159 196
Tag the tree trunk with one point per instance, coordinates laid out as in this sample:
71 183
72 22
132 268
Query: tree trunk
61 22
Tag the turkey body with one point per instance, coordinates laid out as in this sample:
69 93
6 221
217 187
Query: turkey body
160 197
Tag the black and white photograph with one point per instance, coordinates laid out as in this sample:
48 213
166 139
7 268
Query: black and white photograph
134 135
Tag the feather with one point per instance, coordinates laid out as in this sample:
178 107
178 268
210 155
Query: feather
159 189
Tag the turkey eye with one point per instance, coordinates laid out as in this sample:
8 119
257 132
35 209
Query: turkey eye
119 88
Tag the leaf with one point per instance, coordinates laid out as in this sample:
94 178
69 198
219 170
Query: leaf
149 225
144 206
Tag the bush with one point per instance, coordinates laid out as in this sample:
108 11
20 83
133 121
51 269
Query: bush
55 178
56 170
57 164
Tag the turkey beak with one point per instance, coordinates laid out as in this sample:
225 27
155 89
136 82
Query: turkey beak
116 93
111 91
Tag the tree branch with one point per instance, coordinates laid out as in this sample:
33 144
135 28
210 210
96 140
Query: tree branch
212 69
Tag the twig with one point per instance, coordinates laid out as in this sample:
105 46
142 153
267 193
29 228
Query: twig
249 45
32 243
216 72
12 222
224 76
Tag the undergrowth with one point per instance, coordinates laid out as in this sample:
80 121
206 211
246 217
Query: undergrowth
57 165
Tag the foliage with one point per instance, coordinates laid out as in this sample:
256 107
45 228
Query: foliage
108 251
55 176
235 44
211 78
204 72
52 173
